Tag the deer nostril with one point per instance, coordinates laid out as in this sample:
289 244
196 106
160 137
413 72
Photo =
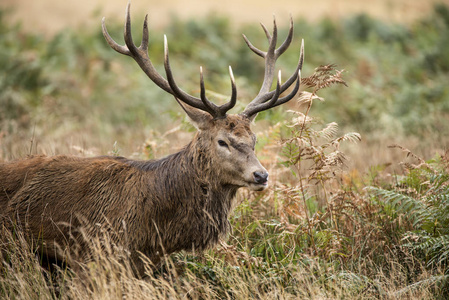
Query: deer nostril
261 177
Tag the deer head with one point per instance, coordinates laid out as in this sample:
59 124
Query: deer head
226 139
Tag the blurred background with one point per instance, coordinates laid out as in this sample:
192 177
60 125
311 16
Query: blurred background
63 90
50 16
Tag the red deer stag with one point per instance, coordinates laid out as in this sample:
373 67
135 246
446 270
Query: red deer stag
155 207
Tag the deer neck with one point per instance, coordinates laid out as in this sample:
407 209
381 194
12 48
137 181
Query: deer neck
190 169
199 160
192 181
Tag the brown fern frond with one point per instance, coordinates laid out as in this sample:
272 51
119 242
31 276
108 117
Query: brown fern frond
410 166
409 153
323 77
328 132
300 119
335 158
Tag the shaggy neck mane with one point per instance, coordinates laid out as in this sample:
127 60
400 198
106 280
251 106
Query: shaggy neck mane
189 179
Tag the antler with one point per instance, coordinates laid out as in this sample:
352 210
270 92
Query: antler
266 99
140 55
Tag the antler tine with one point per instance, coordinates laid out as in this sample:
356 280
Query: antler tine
229 105
270 60
204 103
287 41
140 55
260 102
269 38
176 91
292 93
250 112
289 81
145 36
254 49
219 111
279 52
211 108
120 49
127 34
267 33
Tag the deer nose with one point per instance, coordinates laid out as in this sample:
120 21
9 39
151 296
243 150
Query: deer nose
261 177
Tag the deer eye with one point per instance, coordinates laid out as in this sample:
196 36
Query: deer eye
222 143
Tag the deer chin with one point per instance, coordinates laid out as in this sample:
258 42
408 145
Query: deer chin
257 186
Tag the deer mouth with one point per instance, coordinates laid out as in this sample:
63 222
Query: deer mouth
255 186
260 180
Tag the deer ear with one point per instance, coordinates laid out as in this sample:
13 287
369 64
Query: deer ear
200 119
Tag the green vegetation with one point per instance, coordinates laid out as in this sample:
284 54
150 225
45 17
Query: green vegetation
321 230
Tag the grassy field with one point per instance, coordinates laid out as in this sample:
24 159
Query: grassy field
343 218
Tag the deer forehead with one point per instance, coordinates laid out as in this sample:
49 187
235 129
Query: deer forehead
234 126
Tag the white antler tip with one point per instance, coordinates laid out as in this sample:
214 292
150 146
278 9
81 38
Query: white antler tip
165 47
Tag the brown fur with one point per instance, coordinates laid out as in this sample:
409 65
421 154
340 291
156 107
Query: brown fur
180 202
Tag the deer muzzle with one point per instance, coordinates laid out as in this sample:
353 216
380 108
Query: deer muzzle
261 177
